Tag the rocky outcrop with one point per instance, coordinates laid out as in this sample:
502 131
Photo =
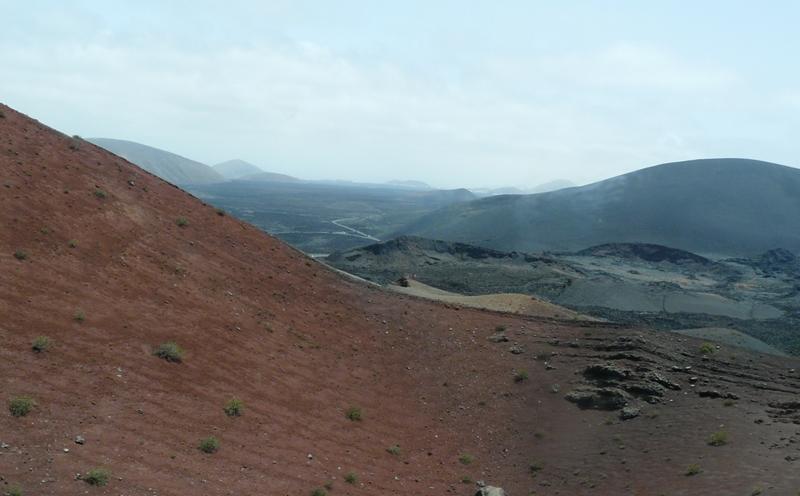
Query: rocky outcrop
645 251
484 490
598 398
611 386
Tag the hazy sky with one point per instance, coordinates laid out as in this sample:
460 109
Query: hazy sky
454 93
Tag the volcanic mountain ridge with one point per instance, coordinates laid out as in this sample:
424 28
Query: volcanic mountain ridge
346 387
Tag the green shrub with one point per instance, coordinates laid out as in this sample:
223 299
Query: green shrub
728 402
466 459
75 143
350 478
182 222
21 406
693 469
354 413
466 479
99 193
41 344
706 348
521 376
394 450
97 477
234 407
500 328
72 243
319 492
719 438
79 316
14 491
209 445
20 255
170 352
220 212
535 467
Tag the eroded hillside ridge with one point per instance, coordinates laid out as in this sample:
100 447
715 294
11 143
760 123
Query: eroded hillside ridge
189 353
166 165
719 207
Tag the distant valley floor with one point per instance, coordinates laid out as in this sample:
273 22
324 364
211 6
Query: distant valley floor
639 284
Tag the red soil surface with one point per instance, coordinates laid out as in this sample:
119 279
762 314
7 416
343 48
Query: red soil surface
300 345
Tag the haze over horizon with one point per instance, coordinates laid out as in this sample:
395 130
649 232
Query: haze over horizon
449 95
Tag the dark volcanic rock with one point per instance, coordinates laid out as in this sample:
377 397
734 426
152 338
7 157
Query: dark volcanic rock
648 391
604 373
660 379
778 257
645 251
713 393
598 398
629 412
786 405
622 344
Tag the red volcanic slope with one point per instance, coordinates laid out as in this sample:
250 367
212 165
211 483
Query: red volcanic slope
300 345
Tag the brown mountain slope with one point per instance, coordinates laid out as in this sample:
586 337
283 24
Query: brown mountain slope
300 345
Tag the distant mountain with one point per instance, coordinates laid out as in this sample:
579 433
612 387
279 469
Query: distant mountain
713 206
411 184
552 186
270 177
164 164
236 168
505 190
513 190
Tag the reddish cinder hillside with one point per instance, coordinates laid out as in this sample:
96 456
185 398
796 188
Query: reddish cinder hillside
109 262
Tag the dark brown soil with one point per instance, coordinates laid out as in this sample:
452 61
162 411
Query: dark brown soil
300 345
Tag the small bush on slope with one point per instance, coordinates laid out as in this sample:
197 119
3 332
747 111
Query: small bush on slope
170 352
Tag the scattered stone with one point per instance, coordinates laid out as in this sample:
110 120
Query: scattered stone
785 405
79 440
516 350
498 337
629 412
660 379
713 393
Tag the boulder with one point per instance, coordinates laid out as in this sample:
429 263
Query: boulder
490 491
629 412
598 398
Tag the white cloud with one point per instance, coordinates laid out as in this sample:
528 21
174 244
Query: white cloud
302 108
